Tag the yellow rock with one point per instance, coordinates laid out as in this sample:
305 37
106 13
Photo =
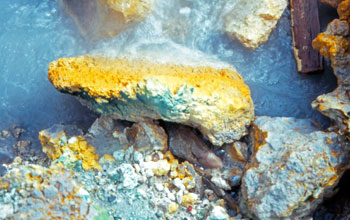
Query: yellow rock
173 207
251 21
106 18
216 101
55 145
189 199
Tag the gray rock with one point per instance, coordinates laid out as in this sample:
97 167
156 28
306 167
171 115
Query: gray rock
148 136
50 192
107 135
294 166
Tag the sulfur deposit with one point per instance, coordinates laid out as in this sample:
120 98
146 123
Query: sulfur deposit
252 21
106 18
216 101
334 44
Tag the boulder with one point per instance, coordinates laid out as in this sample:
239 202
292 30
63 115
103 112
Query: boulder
334 44
293 166
106 18
214 100
251 21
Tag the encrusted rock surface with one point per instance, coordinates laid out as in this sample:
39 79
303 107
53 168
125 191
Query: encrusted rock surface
106 18
216 101
251 21
293 166
334 44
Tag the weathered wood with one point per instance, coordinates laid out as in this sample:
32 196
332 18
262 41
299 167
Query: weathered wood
305 28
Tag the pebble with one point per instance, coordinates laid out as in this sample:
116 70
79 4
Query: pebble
159 186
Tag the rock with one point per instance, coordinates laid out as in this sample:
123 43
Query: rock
334 44
218 213
108 135
333 3
56 145
173 207
6 211
294 165
106 18
50 192
128 177
148 136
184 143
251 21
216 101
235 157
189 199
159 168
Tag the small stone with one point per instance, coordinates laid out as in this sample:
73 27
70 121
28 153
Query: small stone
159 214
111 198
219 182
179 196
218 213
37 193
138 157
5 133
189 199
159 186
178 183
173 207
7 211
50 192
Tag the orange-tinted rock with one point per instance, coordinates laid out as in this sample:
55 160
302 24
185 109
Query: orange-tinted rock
334 44
214 100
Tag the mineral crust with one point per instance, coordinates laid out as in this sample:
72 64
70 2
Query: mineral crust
251 21
294 165
216 101
106 18
334 44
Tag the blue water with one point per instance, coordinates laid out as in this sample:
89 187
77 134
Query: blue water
33 33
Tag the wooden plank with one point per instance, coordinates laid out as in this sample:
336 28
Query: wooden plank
305 28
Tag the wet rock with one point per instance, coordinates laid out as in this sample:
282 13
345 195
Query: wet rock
334 44
106 18
184 143
294 165
251 21
216 101
148 136
333 3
